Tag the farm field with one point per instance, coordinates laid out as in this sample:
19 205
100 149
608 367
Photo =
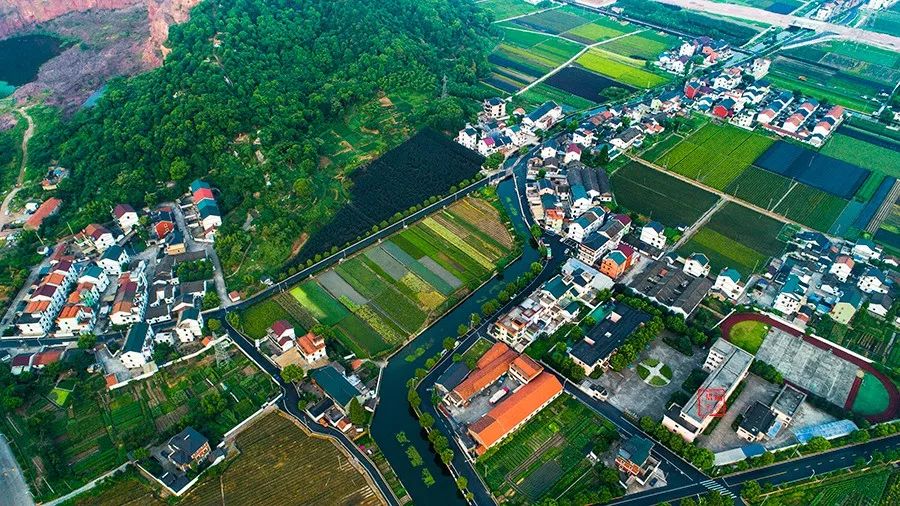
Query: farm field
601 28
836 177
691 22
658 196
885 21
882 153
871 486
558 21
841 72
522 57
502 9
803 204
644 45
716 154
381 188
375 300
310 471
94 432
889 233
541 93
587 85
547 455
129 489
620 68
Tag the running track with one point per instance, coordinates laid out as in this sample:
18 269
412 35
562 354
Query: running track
893 395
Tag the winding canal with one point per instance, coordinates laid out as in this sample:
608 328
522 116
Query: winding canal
394 415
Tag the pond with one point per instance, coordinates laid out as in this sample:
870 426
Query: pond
21 57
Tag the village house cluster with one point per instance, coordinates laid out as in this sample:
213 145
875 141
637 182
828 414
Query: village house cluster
498 132
700 52
741 96
335 389
823 276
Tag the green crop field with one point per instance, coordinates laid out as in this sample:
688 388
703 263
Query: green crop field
621 68
375 300
502 9
716 154
600 29
547 455
523 56
877 158
723 252
95 430
541 93
877 486
658 196
644 45
803 204
885 21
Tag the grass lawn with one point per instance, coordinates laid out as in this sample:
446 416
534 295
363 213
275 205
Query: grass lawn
659 378
872 397
658 196
748 335
646 45
59 396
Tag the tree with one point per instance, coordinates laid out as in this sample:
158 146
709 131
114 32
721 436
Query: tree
494 161
211 300
426 421
818 444
162 352
292 373
213 404
751 490
449 343
475 320
87 341
446 455
462 329
462 483
214 325
357 413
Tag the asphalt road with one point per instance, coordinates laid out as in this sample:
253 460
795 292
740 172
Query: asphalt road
13 489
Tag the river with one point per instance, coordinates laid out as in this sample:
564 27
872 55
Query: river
21 57
394 415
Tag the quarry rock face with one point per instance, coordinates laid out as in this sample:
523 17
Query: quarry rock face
19 15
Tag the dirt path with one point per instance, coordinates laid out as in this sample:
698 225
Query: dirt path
5 216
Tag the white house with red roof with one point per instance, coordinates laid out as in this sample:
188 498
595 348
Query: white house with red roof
281 334
126 217
312 347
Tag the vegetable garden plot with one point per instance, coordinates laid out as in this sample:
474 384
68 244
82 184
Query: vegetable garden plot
834 176
659 196
621 68
646 45
584 84
340 289
553 21
325 308
386 262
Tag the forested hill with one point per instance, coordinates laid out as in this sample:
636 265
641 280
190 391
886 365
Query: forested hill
261 97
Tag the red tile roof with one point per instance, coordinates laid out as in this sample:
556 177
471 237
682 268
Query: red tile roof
504 417
121 209
310 343
47 208
202 194
493 364
526 367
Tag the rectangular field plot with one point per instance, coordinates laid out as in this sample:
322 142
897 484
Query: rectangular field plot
375 300
548 454
537 95
555 21
644 45
738 237
828 83
882 154
600 29
660 197
621 68
523 57
828 174
715 155
275 442
586 85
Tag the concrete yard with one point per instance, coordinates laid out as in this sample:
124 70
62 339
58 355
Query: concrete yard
723 437
630 394
809 367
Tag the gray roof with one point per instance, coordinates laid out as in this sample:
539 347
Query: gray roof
453 376
757 419
136 336
671 286
606 336
185 444
591 178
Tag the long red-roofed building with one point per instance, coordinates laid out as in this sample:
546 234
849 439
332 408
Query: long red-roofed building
493 364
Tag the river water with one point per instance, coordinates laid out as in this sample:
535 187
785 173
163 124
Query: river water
394 415
21 57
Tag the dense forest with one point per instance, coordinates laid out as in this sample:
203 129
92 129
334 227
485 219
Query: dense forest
261 98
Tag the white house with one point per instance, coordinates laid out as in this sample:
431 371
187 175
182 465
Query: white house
728 282
585 224
872 280
494 108
697 265
653 233
791 297
282 335
880 305
126 217
189 325
95 275
468 138
312 347
113 259
866 250
98 236
842 267
138 348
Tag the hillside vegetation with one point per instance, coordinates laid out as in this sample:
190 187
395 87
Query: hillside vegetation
272 102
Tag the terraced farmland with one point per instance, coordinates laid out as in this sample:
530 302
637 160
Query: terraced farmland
658 196
375 300
715 155
275 444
